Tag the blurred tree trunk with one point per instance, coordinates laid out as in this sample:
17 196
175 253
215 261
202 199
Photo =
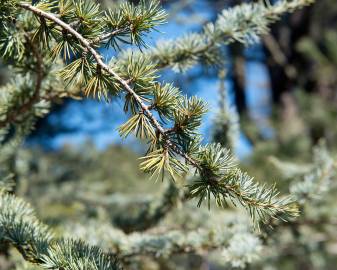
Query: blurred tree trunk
236 51
283 60
238 76
290 66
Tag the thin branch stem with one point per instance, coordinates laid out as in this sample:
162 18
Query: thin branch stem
107 36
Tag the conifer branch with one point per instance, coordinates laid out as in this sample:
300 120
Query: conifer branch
243 23
20 228
212 163
109 70
318 180
223 180
133 21
12 115
166 242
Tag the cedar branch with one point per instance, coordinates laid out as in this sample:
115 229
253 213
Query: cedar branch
124 83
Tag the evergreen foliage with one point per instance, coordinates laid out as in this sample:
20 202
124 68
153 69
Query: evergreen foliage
20 228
